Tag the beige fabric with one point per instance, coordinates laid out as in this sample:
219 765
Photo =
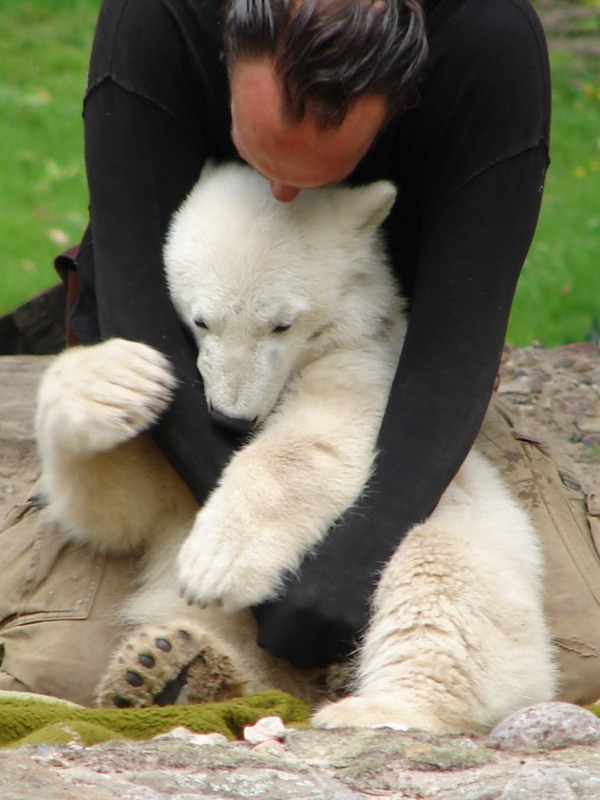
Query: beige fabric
58 601
569 523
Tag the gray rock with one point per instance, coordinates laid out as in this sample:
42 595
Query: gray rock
37 327
328 765
547 726
19 467
552 783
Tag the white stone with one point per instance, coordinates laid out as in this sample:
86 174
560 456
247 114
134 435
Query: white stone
200 739
264 730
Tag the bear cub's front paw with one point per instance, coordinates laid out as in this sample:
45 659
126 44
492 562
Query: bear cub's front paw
95 398
229 558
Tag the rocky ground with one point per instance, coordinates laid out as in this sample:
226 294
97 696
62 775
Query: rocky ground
548 752
554 395
567 23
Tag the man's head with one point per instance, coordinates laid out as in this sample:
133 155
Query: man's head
314 81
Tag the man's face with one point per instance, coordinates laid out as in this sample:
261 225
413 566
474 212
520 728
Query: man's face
296 156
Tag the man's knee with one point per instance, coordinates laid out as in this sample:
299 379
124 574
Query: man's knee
59 606
568 521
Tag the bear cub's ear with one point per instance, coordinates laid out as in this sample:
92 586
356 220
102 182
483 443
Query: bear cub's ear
365 207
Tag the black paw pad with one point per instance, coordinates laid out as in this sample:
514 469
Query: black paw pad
146 660
185 635
133 679
122 702
164 645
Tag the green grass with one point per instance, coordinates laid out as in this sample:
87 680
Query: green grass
558 298
44 51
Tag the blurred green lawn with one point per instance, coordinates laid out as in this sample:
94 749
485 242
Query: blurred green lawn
558 298
44 51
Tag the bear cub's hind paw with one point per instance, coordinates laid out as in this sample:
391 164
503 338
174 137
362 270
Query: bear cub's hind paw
165 665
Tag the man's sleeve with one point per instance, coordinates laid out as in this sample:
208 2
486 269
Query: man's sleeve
141 163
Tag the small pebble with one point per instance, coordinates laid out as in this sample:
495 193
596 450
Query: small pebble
264 730
519 385
394 726
272 747
200 739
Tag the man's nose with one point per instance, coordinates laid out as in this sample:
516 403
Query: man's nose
283 192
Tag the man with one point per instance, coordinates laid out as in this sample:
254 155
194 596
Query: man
311 93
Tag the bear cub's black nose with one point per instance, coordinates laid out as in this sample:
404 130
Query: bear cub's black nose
240 424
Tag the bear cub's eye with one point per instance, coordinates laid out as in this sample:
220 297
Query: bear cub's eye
199 323
283 326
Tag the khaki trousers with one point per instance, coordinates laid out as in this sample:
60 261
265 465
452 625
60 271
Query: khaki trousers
568 521
59 602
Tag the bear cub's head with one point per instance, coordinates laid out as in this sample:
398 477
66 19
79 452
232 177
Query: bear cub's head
267 287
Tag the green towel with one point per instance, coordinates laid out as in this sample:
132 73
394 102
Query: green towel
32 719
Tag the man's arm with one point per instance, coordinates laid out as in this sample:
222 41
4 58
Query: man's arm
133 195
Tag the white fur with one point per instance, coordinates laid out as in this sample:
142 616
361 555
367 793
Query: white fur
299 329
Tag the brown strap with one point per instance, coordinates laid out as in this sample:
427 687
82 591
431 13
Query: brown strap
66 266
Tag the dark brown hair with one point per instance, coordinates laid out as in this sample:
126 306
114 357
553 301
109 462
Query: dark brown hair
327 53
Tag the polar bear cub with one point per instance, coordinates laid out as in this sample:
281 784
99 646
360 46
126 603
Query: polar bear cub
299 328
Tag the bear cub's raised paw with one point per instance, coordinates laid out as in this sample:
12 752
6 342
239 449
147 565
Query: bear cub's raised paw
95 398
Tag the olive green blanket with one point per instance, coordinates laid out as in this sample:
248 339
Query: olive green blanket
32 719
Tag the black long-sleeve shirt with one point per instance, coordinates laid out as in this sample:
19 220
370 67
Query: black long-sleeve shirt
469 161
